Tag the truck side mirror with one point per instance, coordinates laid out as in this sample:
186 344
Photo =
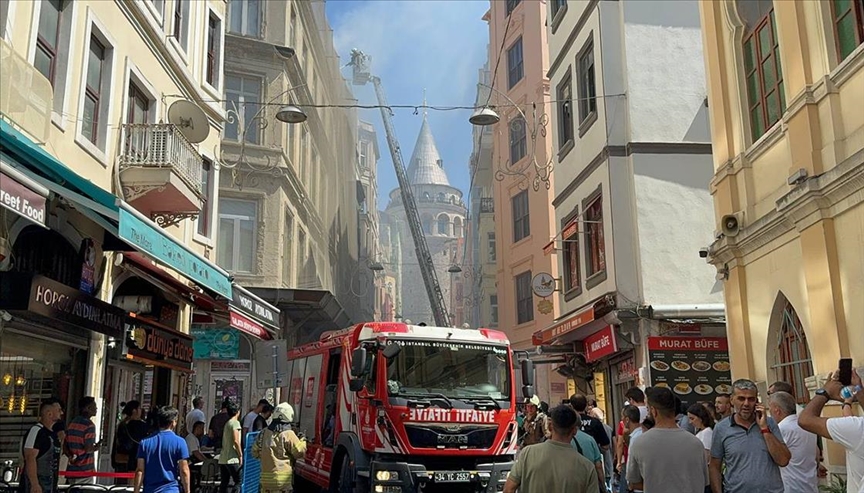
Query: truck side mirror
527 378
358 362
355 384
392 350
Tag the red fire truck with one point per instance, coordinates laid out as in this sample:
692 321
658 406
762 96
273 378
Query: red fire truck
388 407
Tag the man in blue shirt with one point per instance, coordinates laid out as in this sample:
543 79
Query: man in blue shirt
162 458
587 446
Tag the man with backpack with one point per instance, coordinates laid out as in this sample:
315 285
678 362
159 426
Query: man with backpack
587 447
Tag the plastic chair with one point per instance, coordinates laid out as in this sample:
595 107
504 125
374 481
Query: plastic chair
209 480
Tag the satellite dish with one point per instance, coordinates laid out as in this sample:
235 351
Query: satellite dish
190 120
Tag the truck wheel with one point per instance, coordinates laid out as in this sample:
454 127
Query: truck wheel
303 485
349 482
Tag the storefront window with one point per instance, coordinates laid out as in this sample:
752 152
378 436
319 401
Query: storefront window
29 373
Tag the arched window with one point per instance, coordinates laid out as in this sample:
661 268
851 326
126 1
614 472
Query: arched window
762 70
441 197
457 227
792 360
444 225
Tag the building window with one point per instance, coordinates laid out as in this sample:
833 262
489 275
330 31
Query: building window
764 75
493 310
457 227
93 90
511 4
181 22
521 217
848 25
364 159
557 5
572 279
302 257
238 225
48 38
515 68
214 62
524 305
243 95
207 199
138 109
587 85
565 112
443 225
792 359
244 17
490 246
595 251
287 244
518 140
159 6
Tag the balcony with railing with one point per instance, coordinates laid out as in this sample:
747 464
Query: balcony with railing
160 172
487 204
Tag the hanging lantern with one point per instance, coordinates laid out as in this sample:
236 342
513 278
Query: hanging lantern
22 404
20 381
7 379
11 404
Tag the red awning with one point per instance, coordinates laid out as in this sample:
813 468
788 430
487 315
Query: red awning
147 268
563 327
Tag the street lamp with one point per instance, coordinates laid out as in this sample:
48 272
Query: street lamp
291 114
484 116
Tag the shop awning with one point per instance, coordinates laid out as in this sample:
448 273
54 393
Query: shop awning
142 266
113 214
311 311
578 324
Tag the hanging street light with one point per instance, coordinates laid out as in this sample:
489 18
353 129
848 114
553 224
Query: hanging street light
484 116
291 114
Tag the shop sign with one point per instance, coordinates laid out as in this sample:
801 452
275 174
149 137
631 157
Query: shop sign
215 343
549 248
627 370
600 344
564 327
558 387
159 345
570 230
88 266
543 284
248 326
250 305
157 244
233 366
21 200
694 368
57 301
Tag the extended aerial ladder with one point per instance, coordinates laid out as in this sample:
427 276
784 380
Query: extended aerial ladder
362 75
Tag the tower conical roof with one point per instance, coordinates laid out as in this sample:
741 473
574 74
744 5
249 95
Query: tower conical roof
426 167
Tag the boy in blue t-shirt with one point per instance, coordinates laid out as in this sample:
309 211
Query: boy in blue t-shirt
162 458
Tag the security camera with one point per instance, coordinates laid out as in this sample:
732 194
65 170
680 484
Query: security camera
703 252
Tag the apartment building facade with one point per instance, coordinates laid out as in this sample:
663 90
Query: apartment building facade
632 154
111 114
290 193
522 189
783 78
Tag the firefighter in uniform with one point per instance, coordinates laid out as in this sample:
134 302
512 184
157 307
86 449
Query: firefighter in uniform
535 426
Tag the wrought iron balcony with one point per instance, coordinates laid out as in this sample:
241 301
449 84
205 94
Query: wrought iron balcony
487 204
161 172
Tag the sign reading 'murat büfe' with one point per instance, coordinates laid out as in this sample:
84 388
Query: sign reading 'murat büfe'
694 368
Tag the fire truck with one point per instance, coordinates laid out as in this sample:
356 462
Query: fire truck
389 407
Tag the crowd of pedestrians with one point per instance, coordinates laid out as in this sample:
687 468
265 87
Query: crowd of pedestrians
159 457
740 443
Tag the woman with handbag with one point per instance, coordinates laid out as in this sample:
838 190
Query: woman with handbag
131 430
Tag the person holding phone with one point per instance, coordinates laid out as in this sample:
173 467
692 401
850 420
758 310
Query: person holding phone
750 444
847 430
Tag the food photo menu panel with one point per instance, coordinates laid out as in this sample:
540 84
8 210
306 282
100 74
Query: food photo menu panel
695 368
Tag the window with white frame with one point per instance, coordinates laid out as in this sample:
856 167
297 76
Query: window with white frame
524 305
570 239
587 83
4 16
138 105
96 93
490 245
159 6
213 66
521 216
181 22
238 224
207 183
244 17
493 310
302 254
287 245
243 95
51 55
515 67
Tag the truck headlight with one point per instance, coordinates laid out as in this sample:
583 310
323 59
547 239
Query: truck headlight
387 475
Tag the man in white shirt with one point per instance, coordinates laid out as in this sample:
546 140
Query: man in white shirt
193 443
800 475
196 414
250 418
847 431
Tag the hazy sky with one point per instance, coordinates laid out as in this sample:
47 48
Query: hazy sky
435 45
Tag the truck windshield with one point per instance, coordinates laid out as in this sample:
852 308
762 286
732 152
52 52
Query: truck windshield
456 370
